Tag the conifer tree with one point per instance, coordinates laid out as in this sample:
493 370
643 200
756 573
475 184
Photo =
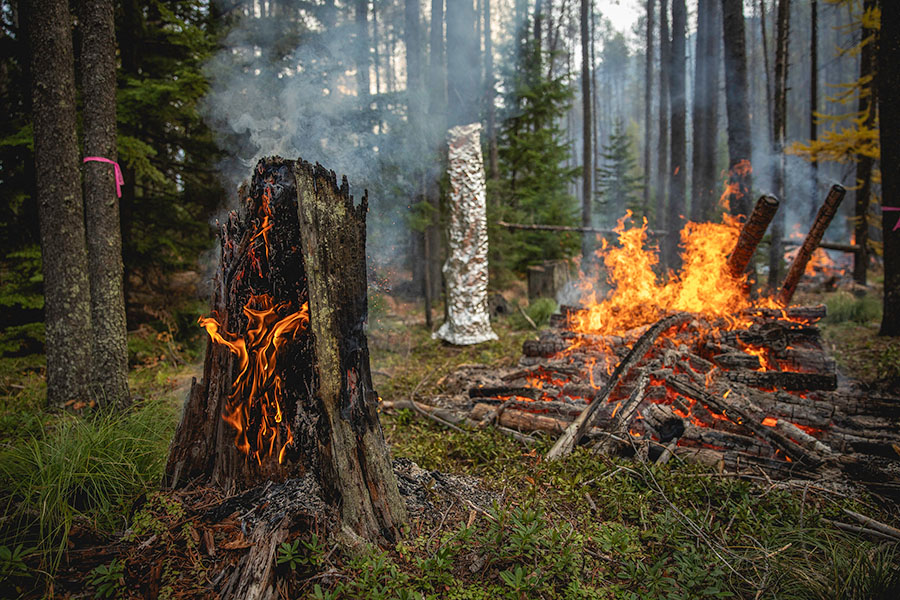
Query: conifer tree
618 181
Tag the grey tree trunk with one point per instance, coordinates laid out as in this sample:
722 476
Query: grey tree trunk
363 50
766 66
104 238
490 92
864 164
779 122
706 114
463 72
648 101
67 303
814 102
737 105
415 105
677 180
587 246
889 113
437 121
665 67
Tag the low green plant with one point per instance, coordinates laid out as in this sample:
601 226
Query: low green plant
301 553
12 562
538 311
88 467
108 579
844 307
888 362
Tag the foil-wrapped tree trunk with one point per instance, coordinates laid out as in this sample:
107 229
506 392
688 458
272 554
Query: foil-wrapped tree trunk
287 391
466 269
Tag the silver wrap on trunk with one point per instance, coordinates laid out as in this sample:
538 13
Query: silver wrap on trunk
466 269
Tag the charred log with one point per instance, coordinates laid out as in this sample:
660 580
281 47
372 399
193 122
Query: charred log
752 234
823 220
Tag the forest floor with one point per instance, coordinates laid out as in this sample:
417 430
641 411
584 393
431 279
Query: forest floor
81 500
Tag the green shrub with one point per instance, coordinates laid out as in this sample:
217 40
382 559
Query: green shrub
538 311
82 468
844 307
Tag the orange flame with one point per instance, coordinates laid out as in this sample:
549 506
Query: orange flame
703 286
257 389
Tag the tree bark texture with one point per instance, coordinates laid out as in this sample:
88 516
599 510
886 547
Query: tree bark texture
665 67
779 126
104 238
363 50
864 164
436 78
814 101
889 116
677 175
463 72
737 106
298 242
587 198
706 103
490 93
67 303
648 102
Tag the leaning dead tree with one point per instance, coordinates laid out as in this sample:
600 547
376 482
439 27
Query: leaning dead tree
286 402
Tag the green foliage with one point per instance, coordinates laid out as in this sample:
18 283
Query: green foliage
12 562
844 307
301 553
534 182
82 468
21 302
538 311
618 181
108 579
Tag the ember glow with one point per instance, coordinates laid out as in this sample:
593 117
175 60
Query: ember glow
256 397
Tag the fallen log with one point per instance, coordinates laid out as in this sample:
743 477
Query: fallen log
751 234
785 380
798 266
849 248
610 232
566 443
749 415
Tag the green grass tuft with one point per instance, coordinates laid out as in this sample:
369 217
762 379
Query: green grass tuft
844 307
82 469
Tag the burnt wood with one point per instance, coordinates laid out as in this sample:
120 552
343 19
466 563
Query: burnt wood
297 241
823 220
751 235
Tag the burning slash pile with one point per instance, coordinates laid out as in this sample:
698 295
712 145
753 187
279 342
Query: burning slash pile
691 367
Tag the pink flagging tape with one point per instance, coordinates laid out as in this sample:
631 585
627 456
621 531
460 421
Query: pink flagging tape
119 179
884 208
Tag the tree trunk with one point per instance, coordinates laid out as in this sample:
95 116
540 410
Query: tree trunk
463 80
700 145
437 117
67 303
415 105
864 164
737 106
363 51
490 92
287 389
587 246
814 101
779 121
889 115
104 239
665 66
677 174
767 68
648 101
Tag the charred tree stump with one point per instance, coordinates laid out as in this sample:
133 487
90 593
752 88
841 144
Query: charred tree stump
751 234
287 391
823 220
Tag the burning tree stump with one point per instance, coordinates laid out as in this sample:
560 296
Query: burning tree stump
287 394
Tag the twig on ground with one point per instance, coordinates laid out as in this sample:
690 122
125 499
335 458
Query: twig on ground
529 319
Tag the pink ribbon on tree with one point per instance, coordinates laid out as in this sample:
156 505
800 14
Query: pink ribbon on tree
884 208
119 179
